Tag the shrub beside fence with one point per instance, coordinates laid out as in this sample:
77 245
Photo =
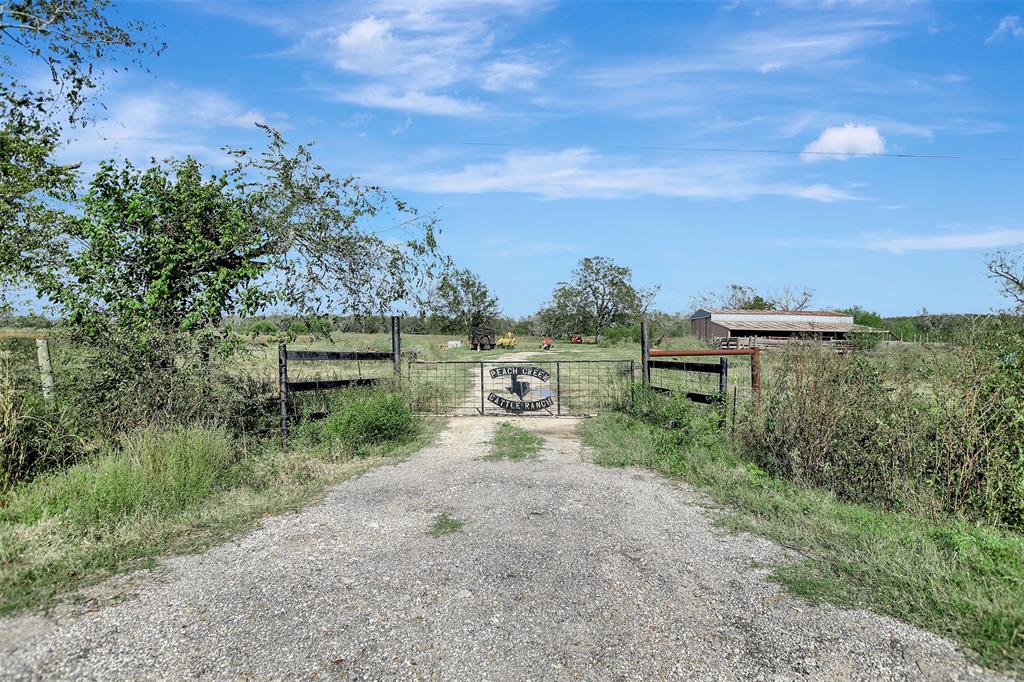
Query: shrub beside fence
941 432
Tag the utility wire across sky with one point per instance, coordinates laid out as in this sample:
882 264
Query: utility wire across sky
621 147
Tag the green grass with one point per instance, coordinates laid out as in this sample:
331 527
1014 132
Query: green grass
955 578
445 524
159 493
513 443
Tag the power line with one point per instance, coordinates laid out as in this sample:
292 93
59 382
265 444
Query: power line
729 150
621 147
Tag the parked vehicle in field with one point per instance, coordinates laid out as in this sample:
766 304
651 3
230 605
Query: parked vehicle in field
482 338
576 338
507 341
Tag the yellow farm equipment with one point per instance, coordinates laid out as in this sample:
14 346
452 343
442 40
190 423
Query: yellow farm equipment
507 341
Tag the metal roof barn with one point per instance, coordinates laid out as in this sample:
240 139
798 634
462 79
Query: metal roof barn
714 324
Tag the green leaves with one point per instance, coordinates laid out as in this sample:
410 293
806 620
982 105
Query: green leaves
173 248
74 39
600 294
462 301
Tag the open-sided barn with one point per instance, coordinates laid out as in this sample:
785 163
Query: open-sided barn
745 327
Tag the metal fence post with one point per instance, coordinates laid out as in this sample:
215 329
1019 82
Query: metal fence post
723 378
45 370
481 389
645 351
558 388
396 344
755 379
282 374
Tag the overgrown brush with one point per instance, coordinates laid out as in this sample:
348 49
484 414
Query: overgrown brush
359 418
938 432
673 411
112 387
34 437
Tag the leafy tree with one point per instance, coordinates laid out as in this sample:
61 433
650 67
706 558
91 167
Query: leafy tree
76 42
461 301
599 294
741 297
864 317
168 249
565 313
1007 268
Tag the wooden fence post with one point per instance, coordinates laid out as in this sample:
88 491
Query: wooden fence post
396 344
45 369
645 351
282 374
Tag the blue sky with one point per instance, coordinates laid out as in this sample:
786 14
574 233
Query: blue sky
543 132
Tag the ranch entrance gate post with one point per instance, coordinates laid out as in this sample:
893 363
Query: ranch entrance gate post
645 350
282 376
396 344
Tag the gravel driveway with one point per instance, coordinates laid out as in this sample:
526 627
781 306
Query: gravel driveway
563 570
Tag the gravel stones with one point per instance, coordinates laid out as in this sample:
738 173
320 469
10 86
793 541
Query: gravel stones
563 570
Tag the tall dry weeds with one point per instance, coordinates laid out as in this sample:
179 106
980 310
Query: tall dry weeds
934 431
12 453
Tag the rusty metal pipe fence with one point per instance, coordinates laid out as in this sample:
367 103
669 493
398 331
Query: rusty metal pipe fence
703 382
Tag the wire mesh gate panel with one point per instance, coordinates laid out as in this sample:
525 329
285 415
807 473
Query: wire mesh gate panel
517 388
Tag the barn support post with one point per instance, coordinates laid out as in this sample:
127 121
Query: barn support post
645 351
45 370
282 375
396 344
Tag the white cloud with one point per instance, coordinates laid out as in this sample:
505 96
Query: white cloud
415 101
840 141
417 57
946 242
163 123
805 44
402 127
511 75
581 173
1008 26
537 248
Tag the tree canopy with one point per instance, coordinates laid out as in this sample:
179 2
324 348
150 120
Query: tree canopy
862 316
1007 268
174 247
76 43
599 294
461 301
741 297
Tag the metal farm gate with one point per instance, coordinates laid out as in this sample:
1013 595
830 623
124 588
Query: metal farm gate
518 388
